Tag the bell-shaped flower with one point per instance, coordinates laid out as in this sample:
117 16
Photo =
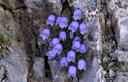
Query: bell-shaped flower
54 41
44 34
71 35
71 56
73 26
82 48
77 15
62 35
83 28
51 20
58 20
63 22
64 62
72 71
58 48
82 64
77 38
51 54
76 45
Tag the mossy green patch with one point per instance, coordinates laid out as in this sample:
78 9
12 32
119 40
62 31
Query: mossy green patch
4 40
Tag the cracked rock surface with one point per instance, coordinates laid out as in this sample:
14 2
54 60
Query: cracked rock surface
22 58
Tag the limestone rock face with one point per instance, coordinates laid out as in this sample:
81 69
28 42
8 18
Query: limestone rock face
122 76
22 56
13 62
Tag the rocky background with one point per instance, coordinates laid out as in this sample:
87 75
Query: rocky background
22 59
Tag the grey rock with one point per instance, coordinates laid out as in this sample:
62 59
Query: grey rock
36 4
38 68
15 65
83 4
111 73
15 57
99 76
53 5
122 26
89 75
2 72
12 4
106 59
119 12
43 8
122 56
58 73
121 77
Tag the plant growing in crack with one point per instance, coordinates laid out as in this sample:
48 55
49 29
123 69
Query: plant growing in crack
4 42
66 43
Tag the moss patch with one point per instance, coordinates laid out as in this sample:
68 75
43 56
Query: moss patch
4 40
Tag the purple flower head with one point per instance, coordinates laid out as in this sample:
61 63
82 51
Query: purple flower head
64 62
83 28
58 20
71 56
71 35
58 48
51 54
77 38
62 35
77 15
82 64
44 34
73 26
63 22
75 45
54 42
72 71
82 48
51 20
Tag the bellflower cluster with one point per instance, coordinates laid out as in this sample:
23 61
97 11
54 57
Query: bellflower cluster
66 45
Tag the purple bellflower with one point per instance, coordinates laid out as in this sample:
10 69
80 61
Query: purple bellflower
82 64
58 20
73 26
76 45
83 28
58 48
62 35
77 38
72 71
63 22
51 54
54 41
82 48
71 35
71 56
51 20
64 62
77 15
44 34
